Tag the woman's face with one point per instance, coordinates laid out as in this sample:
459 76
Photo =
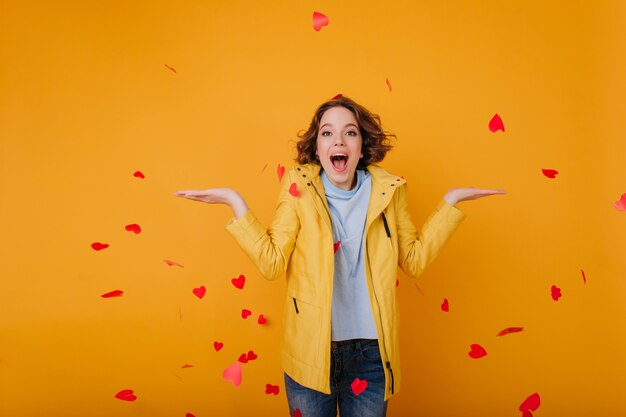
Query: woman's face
339 145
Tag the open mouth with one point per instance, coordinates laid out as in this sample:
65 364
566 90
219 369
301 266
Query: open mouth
339 161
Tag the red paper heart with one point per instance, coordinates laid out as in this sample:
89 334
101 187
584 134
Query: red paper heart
445 306
115 293
621 203
297 413
584 277
293 190
271 389
233 374
170 68
280 171
133 228
510 330
388 84
319 21
139 174
555 292
262 319
99 246
358 386
218 346
172 263
550 173
336 245
531 403
397 283
199 292
239 282
337 97
185 366
496 123
245 313
243 358
126 395
189 415
251 355
477 351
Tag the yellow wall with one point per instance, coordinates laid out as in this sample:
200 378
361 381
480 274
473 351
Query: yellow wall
86 100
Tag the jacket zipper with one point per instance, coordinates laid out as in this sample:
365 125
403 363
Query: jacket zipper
386 225
388 363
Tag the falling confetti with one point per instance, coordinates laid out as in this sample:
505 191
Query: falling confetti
477 351
280 171
510 330
251 355
336 245
358 386
496 123
97 246
388 84
239 282
297 413
550 173
262 319
172 263
271 389
445 305
243 358
319 21
135 228
189 415
397 283
584 277
126 395
245 313
555 292
218 346
337 97
199 292
530 404
232 374
263 170
621 203
139 174
293 190
170 68
185 366
116 293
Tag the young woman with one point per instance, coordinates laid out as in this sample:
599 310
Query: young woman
341 228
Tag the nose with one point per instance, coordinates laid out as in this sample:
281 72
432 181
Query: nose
339 140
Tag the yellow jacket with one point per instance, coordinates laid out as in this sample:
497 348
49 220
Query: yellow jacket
299 242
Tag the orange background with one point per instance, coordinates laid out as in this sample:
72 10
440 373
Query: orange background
87 99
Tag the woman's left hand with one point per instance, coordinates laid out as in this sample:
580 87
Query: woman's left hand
456 195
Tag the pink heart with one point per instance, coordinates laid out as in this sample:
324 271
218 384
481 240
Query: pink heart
445 306
293 190
133 228
496 123
550 173
262 319
126 395
99 246
555 292
358 386
199 292
233 374
477 351
116 293
245 313
218 346
319 21
271 389
139 174
280 171
239 282
621 203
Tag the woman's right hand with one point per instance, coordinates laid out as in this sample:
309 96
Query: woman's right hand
217 196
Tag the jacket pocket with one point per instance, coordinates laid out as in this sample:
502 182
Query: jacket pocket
302 330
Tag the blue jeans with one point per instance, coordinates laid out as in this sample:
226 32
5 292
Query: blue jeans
350 359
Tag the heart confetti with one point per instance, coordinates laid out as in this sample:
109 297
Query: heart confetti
621 203
262 319
126 395
245 313
550 173
445 305
271 389
243 358
218 346
297 413
172 263
397 283
555 292
189 415
263 170
319 21
133 228
97 246
293 190
233 374
337 97
584 277
477 351
185 366
358 386
510 330
116 293
336 245
239 282
530 404
170 68
199 292
388 84
139 174
280 171
496 123
251 355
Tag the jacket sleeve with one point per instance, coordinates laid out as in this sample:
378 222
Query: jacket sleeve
269 249
417 251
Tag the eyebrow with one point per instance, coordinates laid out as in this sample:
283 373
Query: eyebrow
349 124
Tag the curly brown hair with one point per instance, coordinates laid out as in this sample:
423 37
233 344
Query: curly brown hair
376 141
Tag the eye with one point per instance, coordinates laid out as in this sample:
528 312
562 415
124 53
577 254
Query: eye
352 133
325 133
